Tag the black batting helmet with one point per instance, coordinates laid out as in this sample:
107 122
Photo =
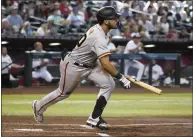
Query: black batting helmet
107 13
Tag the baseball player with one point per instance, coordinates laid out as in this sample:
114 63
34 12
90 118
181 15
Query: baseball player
157 73
40 65
133 47
6 64
82 63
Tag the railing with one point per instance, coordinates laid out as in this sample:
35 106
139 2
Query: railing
122 57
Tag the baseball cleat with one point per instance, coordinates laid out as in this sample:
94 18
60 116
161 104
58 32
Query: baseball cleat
37 116
98 122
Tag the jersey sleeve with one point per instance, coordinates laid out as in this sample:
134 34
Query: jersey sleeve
9 61
100 48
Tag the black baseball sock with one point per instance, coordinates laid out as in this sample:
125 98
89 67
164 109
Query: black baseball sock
99 106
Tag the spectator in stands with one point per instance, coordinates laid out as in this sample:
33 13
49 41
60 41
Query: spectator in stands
157 73
6 64
6 28
31 8
150 11
110 3
55 16
15 19
57 8
126 32
39 10
80 4
125 11
146 23
75 18
164 26
23 11
93 18
40 65
51 29
26 30
64 8
134 46
143 32
160 11
88 13
42 30
150 7
172 34
155 24
170 20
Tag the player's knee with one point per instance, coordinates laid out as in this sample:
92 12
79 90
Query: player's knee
109 86
49 79
113 84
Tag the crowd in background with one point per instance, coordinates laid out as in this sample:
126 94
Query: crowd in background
166 19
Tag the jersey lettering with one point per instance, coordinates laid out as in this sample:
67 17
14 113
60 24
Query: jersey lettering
83 38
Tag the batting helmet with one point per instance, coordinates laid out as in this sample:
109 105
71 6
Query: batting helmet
107 13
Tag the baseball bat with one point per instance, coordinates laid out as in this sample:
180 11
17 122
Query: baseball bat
145 85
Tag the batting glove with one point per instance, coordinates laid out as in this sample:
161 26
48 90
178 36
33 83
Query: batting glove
124 81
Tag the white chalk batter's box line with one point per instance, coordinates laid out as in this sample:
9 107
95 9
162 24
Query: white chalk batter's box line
41 130
69 132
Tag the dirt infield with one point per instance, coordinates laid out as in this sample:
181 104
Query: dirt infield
68 126
75 126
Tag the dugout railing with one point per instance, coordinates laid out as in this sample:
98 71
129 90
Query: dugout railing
149 56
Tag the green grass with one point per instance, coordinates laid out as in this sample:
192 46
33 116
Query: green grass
120 105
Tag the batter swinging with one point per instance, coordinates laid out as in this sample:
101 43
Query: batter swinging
82 62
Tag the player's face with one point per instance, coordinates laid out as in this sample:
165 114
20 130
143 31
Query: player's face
4 51
137 40
113 24
39 47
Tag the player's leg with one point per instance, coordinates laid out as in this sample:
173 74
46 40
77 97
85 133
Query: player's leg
47 76
68 82
127 64
140 67
106 84
36 75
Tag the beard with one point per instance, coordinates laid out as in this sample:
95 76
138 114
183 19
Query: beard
110 26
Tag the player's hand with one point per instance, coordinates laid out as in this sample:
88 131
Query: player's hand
125 82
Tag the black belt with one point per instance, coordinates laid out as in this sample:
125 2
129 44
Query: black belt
75 63
81 65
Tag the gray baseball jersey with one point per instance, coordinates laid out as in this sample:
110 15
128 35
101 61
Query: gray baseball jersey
91 46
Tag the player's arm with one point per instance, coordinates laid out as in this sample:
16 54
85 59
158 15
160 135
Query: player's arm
43 63
105 62
17 66
113 71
